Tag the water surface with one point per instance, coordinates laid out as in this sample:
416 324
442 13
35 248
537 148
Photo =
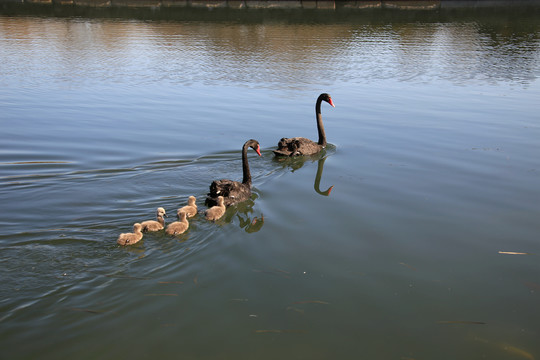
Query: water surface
433 159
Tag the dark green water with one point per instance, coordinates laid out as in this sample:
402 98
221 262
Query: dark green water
433 158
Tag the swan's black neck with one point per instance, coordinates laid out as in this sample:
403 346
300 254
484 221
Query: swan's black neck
245 166
320 126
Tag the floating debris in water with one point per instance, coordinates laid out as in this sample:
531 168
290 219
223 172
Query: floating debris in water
513 350
281 271
514 253
292 308
277 331
517 351
461 322
312 302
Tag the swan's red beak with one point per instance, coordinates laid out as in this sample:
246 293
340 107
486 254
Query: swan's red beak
331 102
258 150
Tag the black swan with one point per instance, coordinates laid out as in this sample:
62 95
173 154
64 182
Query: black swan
190 209
217 211
300 145
234 191
153 225
131 238
178 227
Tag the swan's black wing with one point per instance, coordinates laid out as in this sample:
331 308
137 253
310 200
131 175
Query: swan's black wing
232 192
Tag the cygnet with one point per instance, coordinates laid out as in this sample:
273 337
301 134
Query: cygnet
131 238
178 227
153 225
216 212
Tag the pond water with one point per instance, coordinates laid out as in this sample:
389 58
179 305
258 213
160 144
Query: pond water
426 247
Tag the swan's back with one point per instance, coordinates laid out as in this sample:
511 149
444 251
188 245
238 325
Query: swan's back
300 145
297 146
232 192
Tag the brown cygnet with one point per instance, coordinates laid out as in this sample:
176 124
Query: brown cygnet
131 238
216 212
153 225
190 209
178 227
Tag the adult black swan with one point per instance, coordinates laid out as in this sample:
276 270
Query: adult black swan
300 145
234 191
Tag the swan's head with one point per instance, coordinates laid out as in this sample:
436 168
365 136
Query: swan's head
161 212
327 98
137 227
254 144
191 200
220 200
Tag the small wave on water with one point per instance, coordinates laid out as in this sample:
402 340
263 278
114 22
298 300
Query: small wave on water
97 203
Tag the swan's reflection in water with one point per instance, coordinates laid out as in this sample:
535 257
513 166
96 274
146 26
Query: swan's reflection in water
296 162
316 185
